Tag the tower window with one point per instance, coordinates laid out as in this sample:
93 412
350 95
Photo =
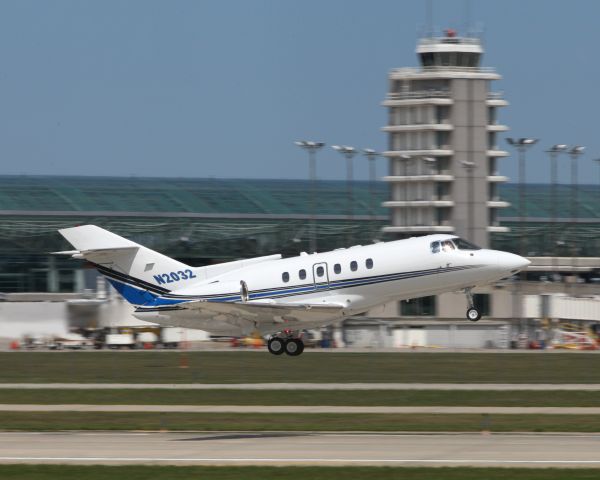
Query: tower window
492 116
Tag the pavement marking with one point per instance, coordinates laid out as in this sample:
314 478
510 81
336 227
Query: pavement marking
308 386
290 448
307 409
298 460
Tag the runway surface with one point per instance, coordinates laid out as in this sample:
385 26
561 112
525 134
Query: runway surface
299 409
239 448
309 386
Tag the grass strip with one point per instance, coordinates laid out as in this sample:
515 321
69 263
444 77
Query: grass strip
52 421
252 367
480 398
144 472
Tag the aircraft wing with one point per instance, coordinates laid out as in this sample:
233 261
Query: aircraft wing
272 313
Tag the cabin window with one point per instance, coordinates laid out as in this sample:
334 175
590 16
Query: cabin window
302 274
320 271
285 276
337 268
353 266
447 246
369 263
435 247
464 245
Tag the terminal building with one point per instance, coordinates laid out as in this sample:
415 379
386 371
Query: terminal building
444 177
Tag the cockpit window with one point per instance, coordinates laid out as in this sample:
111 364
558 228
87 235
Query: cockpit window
447 246
464 245
435 247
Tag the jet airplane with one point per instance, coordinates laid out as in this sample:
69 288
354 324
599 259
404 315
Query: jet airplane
282 297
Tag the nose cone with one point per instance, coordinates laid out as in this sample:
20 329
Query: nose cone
513 263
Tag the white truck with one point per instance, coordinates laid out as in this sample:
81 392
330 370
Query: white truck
119 340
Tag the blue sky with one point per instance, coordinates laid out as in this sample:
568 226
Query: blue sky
222 88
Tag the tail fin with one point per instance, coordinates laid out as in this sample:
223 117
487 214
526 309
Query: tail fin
138 273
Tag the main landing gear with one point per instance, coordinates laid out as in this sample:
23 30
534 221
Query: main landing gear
472 313
291 345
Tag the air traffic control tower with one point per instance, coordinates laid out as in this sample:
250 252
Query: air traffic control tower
443 142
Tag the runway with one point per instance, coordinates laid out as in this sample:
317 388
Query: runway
291 409
309 386
239 448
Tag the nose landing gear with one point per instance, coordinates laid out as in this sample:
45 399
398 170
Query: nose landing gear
292 346
472 313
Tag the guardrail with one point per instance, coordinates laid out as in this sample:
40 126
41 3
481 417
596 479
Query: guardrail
435 94
443 68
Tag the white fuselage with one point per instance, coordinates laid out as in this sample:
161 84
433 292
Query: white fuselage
357 278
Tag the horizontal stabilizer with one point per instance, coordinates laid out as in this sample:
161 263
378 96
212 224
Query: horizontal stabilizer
83 253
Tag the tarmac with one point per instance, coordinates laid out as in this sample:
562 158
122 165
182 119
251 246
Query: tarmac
310 386
281 448
292 409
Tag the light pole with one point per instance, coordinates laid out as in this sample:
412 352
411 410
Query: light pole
597 160
554 151
522 145
371 156
469 167
312 148
348 153
575 152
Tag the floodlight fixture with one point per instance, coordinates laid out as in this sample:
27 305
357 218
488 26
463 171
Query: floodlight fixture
345 150
309 145
558 148
577 150
521 143
371 154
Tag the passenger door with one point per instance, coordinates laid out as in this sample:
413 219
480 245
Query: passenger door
321 276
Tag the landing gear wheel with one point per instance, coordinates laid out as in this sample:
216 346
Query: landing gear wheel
276 346
473 314
294 347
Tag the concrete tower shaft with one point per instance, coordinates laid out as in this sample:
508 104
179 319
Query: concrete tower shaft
442 143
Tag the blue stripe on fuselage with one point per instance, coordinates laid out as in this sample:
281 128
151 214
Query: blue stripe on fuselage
132 294
158 302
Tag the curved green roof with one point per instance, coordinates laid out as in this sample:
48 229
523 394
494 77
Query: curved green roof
29 194
539 201
176 195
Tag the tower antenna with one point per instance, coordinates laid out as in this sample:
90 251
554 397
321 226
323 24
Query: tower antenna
467 17
429 14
